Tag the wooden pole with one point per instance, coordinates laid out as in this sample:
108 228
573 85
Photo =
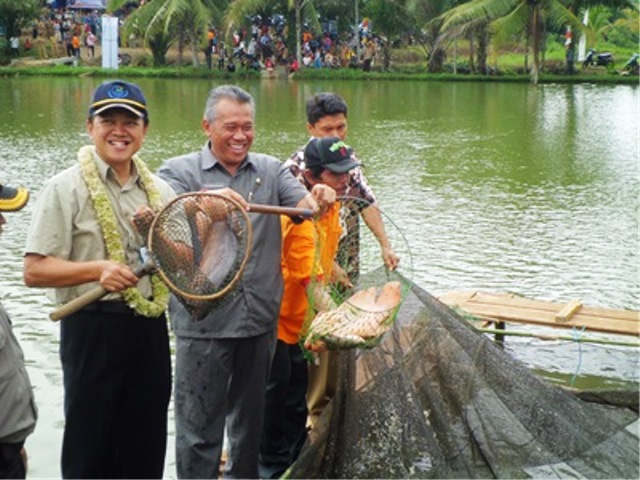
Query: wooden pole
540 336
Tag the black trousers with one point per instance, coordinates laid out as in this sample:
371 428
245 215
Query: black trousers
117 381
11 464
285 418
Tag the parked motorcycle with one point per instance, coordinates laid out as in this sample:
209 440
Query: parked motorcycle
632 67
593 58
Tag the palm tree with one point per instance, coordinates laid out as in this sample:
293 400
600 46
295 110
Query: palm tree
510 19
160 21
239 9
15 15
144 23
390 18
427 13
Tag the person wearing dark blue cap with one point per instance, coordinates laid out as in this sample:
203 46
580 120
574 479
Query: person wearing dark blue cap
115 353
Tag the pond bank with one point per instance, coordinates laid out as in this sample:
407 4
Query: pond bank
308 74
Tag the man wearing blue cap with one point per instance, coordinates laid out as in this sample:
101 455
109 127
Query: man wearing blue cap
115 352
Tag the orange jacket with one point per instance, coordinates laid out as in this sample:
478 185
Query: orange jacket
308 250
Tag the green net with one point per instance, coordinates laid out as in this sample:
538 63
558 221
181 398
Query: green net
364 312
436 399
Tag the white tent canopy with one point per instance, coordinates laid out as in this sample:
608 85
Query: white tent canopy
87 4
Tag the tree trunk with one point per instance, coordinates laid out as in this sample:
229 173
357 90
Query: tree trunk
483 42
455 56
195 47
181 42
472 49
298 7
526 52
386 55
159 49
436 60
536 45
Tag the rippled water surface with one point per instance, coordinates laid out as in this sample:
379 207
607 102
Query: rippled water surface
493 187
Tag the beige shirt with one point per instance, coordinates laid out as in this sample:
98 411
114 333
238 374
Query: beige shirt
65 225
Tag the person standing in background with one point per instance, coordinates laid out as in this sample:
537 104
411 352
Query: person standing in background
308 267
14 42
91 43
327 117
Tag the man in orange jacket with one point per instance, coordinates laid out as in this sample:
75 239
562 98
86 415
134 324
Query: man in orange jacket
308 251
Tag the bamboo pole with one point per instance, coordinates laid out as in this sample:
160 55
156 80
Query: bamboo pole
557 337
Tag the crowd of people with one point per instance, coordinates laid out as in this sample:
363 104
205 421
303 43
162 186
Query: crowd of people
235 369
58 32
263 45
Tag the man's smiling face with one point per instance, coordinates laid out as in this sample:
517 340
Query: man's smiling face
117 135
231 132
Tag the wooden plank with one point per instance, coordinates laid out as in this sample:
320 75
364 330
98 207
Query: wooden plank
523 302
568 311
551 307
523 315
512 308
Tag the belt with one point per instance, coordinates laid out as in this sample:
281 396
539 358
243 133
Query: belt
9 450
109 306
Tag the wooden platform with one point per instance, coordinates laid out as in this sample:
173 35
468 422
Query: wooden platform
515 309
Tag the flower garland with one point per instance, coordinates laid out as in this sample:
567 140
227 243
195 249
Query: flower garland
108 225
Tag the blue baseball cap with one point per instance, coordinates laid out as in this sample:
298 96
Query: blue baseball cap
119 94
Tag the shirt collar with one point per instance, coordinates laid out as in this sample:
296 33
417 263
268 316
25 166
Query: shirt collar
209 160
106 172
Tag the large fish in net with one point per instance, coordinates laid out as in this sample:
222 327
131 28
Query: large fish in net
366 311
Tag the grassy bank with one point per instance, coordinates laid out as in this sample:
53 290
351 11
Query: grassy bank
407 63
125 72
311 74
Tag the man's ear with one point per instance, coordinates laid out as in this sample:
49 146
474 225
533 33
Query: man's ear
310 129
308 176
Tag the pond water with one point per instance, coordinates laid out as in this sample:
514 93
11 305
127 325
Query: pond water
494 187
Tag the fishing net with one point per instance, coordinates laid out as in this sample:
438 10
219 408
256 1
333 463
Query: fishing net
436 399
200 243
364 313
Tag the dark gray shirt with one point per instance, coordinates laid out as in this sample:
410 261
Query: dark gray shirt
17 407
255 303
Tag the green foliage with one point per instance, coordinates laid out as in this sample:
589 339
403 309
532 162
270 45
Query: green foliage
389 17
15 15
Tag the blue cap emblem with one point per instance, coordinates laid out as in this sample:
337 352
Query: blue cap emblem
118 90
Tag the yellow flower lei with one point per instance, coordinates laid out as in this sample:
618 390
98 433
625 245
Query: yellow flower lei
108 225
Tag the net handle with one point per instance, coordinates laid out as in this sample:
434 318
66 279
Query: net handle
291 211
93 295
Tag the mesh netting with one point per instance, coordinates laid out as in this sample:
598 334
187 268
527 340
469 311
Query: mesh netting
366 311
200 243
438 400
